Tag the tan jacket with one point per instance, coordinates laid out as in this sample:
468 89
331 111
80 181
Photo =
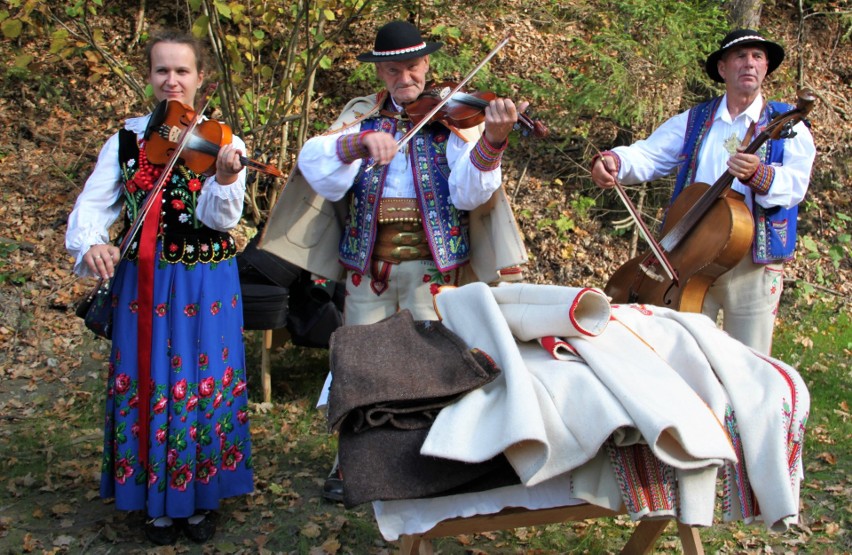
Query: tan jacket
305 229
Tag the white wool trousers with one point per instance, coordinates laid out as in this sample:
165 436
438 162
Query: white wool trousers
405 285
747 296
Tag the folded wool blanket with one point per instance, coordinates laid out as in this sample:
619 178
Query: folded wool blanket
389 379
531 412
400 372
385 463
680 428
543 410
765 415
535 311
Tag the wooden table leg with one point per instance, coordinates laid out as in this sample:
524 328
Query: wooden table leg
645 536
690 539
265 366
641 542
415 545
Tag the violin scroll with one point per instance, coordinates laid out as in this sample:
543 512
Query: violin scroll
464 109
536 127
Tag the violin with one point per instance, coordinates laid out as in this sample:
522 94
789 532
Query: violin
464 109
708 230
170 120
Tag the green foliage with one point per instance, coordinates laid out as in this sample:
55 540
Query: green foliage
582 206
826 252
814 335
559 220
641 54
268 55
13 277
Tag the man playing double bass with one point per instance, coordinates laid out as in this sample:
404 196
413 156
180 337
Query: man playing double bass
707 140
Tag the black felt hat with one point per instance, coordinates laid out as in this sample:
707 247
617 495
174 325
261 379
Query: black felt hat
397 41
741 37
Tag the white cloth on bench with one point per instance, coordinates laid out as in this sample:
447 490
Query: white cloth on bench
688 388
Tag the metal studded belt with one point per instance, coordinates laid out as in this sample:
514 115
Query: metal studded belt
401 242
395 210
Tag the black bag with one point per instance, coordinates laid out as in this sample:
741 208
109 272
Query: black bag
96 310
316 310
264 280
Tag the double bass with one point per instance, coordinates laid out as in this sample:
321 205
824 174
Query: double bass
707 231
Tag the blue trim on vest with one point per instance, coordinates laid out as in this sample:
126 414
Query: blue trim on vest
775 228
445 226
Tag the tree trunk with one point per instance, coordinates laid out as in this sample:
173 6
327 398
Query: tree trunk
744 14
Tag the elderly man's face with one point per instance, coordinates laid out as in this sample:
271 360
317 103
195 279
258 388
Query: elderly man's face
744 68
405 80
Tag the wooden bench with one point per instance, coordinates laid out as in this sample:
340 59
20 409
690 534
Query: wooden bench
642 540
272 339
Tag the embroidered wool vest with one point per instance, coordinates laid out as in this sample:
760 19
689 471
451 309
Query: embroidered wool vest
185 238
775 228
446 227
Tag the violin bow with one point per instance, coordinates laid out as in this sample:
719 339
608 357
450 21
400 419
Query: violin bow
448 96
655 247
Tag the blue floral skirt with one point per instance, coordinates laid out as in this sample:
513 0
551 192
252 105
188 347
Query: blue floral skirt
198 434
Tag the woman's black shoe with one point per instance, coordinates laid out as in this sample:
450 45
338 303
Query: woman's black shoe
161 535
203 530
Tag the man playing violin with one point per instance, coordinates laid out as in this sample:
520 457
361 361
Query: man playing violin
709 139
408 219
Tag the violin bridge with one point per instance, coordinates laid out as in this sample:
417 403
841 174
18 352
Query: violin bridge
169 133
648 271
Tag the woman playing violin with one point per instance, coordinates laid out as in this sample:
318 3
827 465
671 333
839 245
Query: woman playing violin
176 435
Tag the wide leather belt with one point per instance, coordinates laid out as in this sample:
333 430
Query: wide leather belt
401 242
394 210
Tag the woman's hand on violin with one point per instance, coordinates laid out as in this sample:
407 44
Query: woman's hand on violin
742 165
604 170
102 260
228 164
381 146
501 114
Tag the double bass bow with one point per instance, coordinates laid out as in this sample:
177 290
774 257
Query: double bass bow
708 229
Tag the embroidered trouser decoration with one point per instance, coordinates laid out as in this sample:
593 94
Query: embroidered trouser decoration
379 272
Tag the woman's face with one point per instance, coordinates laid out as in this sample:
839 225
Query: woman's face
174 72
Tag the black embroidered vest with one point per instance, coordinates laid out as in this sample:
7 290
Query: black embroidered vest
185 238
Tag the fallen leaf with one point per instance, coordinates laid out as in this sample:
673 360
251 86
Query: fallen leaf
29 543
331 546
61 509
827 458
311 530
63 541
226 547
